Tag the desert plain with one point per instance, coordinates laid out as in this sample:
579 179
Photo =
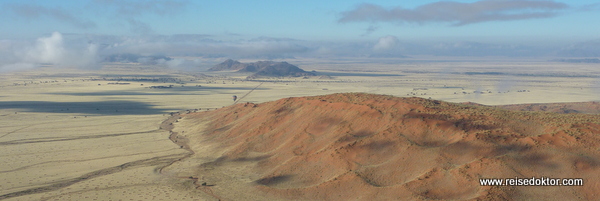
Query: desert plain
128 131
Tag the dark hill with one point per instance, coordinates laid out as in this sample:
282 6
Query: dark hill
263 68
229 64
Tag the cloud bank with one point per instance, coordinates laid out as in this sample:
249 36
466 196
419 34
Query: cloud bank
121 12
89 50
203 45
137 8
456 13
198 45
48 50
40 12
130 11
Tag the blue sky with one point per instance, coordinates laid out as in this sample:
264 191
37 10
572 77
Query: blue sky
35 31
306 20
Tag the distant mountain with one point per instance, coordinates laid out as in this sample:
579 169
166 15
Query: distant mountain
282 69
262 68
229 64
257 66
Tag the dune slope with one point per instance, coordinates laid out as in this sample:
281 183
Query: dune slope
366 146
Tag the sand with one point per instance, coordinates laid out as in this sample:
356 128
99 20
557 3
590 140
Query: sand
365 146
70 134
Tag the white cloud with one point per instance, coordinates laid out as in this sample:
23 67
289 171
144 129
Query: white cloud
386 43
47 50
51 50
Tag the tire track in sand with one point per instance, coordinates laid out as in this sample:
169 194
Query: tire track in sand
183 143
162 161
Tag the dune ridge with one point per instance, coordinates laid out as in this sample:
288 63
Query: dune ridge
367 146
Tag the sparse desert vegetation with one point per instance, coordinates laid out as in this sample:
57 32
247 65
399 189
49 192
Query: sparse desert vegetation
82 136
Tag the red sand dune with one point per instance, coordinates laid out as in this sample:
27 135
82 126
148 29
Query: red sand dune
362 147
